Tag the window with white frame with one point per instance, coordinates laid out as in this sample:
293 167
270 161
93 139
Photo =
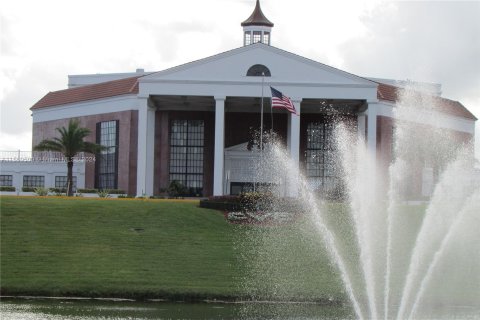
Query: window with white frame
248 38
6 180
34 181
61 182
257 36
266 38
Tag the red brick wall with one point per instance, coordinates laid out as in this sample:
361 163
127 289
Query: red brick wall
161 164
127 150
417 162
163 121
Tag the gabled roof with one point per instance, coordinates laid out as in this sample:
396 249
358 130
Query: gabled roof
257 18
294 64
89 92
391 93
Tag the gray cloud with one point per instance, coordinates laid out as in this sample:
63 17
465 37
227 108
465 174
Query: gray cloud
30 86
425 41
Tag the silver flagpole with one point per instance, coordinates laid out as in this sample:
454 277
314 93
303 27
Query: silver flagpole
261 116
261 127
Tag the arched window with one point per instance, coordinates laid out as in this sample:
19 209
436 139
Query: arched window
258 70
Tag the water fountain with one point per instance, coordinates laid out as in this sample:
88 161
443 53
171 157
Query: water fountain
400 259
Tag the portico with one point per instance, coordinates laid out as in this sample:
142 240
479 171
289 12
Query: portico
228 121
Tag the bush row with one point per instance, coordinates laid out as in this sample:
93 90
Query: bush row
252 202
7 188
110 191
62 190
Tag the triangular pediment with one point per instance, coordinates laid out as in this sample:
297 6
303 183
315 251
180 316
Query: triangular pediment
285 67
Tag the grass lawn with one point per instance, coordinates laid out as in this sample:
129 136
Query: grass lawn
150 249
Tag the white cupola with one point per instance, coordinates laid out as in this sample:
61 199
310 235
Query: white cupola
257 28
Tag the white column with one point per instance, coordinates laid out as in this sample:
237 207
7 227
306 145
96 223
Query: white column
293 135
146 146
372 112
293 143
372 129
49 180
218 163
81 175
361 123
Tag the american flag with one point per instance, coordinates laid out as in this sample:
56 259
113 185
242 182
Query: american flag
281 101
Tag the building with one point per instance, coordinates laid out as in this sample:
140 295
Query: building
192 123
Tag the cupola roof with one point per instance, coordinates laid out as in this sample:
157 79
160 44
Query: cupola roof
257 18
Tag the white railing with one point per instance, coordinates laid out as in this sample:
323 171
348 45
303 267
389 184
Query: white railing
42 156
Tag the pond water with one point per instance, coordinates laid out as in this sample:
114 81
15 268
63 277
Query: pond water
48 309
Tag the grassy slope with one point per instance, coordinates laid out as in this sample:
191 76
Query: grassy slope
89 247
54 246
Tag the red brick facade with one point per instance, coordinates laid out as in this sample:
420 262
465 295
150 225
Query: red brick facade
127 150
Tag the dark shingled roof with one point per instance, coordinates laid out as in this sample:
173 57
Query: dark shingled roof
391 93
89 92
257 18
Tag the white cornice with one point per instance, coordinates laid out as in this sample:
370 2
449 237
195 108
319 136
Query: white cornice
433 118
86 108
267 83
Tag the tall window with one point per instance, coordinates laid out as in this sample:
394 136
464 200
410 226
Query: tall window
248 38
107 160
266 37
61 182
320 156
6 180
186 155
257 36
34 181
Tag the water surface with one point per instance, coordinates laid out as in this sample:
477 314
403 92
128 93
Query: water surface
14 309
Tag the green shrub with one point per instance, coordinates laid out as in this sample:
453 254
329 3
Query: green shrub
126 196
7 188
41 191
28 189
158 197
253 202
103 193
87 190
116 191
176 189
110 191
223 206
58 191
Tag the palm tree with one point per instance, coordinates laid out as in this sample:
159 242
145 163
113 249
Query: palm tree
69 144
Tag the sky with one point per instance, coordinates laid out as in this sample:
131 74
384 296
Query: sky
42 42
